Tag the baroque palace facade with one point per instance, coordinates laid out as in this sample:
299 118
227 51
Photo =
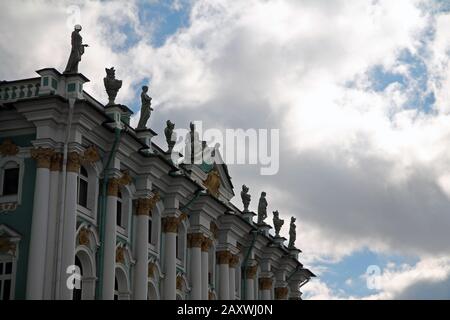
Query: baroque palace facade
83 196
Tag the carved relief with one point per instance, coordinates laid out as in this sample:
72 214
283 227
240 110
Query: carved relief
120 255
8 148
91 155
179 283
42 156
115 183
83 237
8 206
6 246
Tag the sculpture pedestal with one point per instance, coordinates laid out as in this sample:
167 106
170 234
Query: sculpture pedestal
279 241
146 135
248 215
264 228
294 252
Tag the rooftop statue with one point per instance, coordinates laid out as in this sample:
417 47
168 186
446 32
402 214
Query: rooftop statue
262 208
171 136
76 52
193 150
245 197
292 234
146 108
277 223
112 85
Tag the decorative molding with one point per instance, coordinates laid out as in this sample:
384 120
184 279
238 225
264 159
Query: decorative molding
42 156
223 257
212 183
8 206
281 293
8 148
170 224
265 284
7 246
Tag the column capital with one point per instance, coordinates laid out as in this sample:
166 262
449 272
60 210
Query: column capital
206 244
73 162
281 293
56 162
251 271
170 224
223 257
265 283
146 205
234 261
195 240
114 183
42 156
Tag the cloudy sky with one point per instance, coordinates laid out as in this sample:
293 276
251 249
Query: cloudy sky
360 90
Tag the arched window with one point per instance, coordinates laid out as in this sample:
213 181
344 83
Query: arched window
6 274
83 183
11 174
119 219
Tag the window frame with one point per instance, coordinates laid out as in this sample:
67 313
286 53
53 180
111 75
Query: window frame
6 163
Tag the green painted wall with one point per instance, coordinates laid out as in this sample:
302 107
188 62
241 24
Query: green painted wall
20 220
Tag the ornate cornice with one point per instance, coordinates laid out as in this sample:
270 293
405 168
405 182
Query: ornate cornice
223 257
42 156
265 284
8 148
281 293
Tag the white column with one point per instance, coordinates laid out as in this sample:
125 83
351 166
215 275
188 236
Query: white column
38 237
223 259
170 229
250 282
265 286
195 244
141 267
205 268
55 172
234 262
109 251
69 229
